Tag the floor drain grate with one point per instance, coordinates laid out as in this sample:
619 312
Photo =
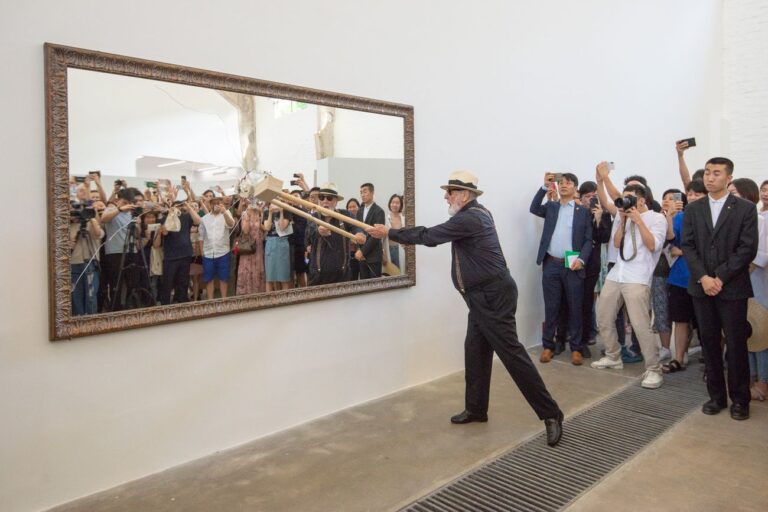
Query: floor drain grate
536 478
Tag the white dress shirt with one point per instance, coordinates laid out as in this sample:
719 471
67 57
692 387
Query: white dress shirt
215 234
716 205
639 270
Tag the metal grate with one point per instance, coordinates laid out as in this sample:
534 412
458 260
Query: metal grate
533 477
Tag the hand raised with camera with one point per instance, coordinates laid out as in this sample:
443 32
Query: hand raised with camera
597 212
127 207
634 215
603 169
681 146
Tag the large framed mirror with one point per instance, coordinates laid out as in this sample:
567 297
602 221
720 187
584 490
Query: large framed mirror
148 168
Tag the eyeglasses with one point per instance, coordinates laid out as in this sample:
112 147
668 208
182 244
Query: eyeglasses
324 197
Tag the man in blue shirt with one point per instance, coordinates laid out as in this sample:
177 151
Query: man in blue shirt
567 229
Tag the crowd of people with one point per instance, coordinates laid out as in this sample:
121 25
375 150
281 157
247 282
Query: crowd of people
640 269
166 245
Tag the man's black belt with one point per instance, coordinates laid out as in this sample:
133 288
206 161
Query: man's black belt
486 282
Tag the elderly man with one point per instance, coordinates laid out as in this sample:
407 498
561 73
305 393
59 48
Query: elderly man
329 259
480 273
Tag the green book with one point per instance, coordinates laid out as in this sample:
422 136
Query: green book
570 257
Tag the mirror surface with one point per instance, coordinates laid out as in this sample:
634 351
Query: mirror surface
161 212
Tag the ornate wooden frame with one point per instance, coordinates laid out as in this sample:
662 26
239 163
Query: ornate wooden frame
62 324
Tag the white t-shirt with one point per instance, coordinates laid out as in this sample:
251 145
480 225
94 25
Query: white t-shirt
215 234
639 270
612 252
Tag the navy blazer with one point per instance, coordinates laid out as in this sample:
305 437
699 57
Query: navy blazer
724 250
582 226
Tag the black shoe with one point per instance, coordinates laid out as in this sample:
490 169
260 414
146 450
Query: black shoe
586 352
468 417
554 428
559 347
712 407
739 412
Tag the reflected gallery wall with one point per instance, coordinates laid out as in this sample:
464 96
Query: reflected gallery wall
188 143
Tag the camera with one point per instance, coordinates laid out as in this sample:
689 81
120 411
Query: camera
137 211
82 212
626 203
294 183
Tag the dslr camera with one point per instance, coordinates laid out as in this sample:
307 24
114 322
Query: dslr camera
626 203
81 211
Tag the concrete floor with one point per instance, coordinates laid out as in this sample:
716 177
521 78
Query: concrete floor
384 454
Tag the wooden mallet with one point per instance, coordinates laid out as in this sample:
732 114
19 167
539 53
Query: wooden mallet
270 190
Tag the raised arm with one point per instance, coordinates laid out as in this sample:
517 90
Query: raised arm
685 175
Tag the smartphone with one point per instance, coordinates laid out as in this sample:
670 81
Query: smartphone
294 183
593 203
183 179
691 142
612 166
97 173
153 227
150 184
79 179
558 177
677 196
296 175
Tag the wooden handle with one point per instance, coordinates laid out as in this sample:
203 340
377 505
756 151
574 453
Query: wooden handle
324 211
307 216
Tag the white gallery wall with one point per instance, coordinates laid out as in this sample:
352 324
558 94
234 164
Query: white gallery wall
508 89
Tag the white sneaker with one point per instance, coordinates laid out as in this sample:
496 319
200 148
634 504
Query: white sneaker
607 362
664 354
652 379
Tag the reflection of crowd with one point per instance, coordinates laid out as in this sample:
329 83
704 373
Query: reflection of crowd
166 245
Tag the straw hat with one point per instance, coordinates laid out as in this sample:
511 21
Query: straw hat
463 180
757 316
330 189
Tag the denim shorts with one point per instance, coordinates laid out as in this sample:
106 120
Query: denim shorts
216 268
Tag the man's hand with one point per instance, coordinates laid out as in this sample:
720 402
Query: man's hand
359 255
634 215
377 231
323 231
576 265
676 251
359 238
711 285
597 211
127 208
602 171
681 146
549 178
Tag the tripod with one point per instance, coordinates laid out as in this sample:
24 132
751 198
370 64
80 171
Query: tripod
132 284
85 302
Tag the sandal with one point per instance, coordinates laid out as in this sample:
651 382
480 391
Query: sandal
672 367
757 393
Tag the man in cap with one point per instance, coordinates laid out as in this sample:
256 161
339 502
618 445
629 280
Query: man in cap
329 259
479 271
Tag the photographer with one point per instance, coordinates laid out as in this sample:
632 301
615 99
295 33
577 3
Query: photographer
117 219
640 238
177 253
84 236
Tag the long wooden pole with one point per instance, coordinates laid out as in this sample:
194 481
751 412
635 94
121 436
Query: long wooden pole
309 217
324 211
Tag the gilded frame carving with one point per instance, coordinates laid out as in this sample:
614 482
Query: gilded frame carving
62 325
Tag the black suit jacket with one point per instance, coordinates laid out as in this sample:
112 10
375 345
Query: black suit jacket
724 250
371 249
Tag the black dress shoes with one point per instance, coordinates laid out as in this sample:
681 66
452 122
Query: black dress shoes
559 347
739 412
712 407
586 352
468 417
554 429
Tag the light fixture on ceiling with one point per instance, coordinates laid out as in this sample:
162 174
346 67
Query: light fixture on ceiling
178 162
211 168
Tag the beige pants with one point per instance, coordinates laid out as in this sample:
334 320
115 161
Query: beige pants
637 297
